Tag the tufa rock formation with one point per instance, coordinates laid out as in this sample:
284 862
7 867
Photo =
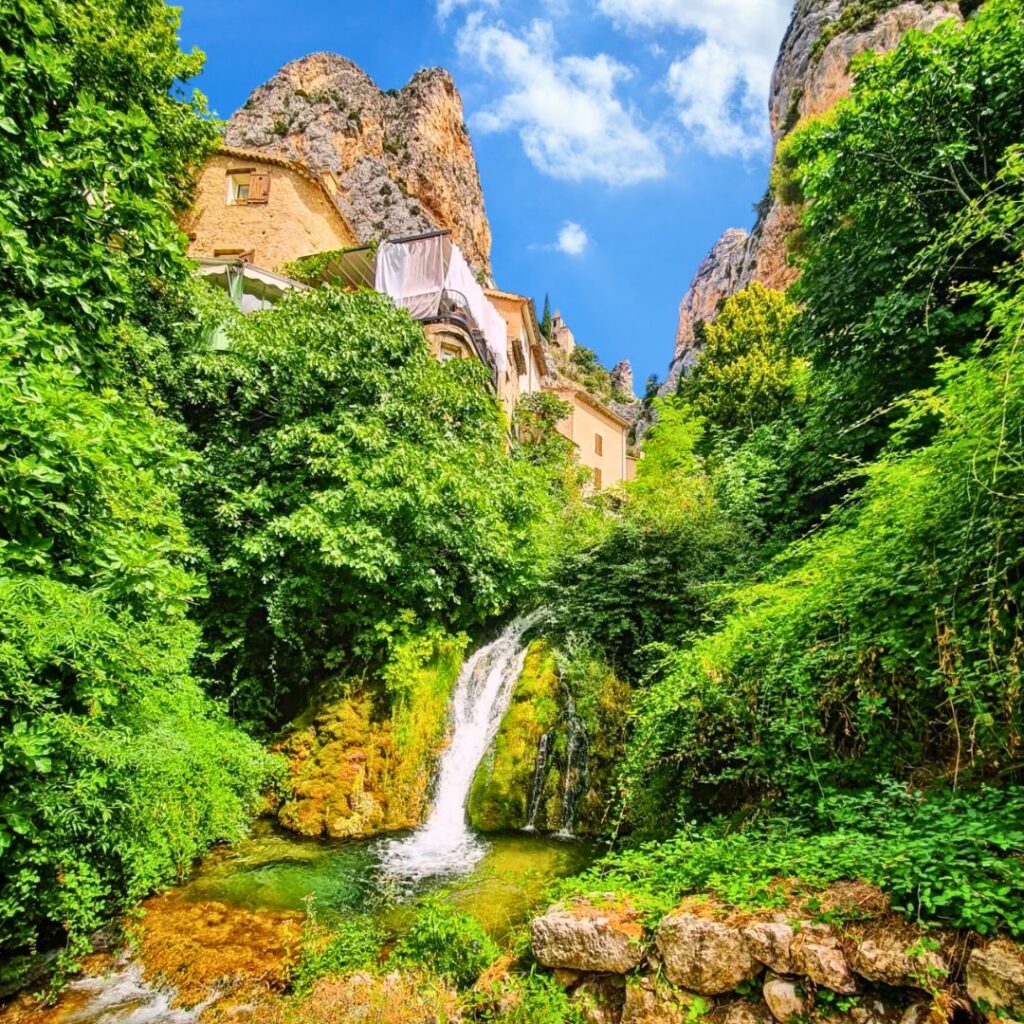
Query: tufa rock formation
811 75
402 160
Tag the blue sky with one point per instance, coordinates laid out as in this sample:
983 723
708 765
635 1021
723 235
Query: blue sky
616 139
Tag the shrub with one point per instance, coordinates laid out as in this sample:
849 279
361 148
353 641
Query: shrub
353 944
453 945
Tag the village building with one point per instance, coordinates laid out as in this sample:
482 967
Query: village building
527 364
598 434
254 215
262 210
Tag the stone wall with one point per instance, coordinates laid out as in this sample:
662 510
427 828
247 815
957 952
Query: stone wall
776 968
297 219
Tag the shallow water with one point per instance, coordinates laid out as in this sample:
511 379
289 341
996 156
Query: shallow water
275 870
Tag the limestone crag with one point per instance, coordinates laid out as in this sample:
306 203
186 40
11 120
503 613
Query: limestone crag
809 79
397 162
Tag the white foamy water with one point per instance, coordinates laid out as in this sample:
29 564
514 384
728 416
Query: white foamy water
124 998
445 844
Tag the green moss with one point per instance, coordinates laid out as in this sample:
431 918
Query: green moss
501 789
362 763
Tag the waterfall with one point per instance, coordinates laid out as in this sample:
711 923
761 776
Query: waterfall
537 788
444 843
575 768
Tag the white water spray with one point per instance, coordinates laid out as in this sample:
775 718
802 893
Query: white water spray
445 844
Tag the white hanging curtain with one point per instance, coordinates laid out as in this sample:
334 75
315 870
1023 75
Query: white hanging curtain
460 278
412 273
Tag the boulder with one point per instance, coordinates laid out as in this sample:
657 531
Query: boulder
649 1001
783 998
600 1000
771 942
585 937
704 956
889 959
995 978
818 955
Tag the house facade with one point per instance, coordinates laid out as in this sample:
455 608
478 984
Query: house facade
262 210
526 365
598 434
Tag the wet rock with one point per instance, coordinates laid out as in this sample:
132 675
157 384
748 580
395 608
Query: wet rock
783 998
818 954
585 937
600 1000
771 942
649 1001
890 959
995 978
704 956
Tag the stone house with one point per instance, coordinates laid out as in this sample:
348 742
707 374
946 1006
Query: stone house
262 210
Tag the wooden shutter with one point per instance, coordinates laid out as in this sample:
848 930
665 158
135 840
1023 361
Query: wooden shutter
598 444
259 187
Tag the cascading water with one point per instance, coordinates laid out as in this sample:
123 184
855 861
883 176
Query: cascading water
445 844
575 768
537 788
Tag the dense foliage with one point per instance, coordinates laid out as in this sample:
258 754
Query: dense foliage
843 479
195 504
115 768
951 859
348 487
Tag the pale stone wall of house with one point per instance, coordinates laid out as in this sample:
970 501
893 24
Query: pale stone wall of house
298 219
583 426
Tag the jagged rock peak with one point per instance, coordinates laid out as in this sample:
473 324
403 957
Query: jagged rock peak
622 381
811 75
717 276
401 159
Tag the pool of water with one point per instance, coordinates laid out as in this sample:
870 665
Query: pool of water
276 870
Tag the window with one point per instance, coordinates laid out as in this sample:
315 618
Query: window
448 352
247 187
598 444
238 188
597 479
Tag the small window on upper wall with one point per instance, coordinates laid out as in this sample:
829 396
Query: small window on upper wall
247 187
448 352
598 444
238 188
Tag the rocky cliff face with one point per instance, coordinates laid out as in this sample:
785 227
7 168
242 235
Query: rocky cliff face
399 162
811 75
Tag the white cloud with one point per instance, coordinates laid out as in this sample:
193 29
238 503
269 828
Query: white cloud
447 7
570 118
572 239
720 86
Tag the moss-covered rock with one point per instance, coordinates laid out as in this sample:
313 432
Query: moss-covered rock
500 795
499 798
362 763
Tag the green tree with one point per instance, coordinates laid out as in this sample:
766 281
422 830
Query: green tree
545 320
881 178
746 375
346 477
115 770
